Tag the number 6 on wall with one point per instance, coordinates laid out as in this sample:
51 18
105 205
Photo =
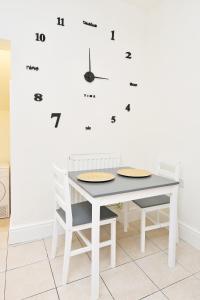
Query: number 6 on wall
56 115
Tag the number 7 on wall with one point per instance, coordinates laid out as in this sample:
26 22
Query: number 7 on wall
56 115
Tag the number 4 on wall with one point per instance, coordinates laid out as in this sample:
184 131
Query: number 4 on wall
56 115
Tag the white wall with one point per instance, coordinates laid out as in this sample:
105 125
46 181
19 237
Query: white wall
165 119
63 59
172 110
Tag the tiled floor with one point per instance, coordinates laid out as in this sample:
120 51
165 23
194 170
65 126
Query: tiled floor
28 272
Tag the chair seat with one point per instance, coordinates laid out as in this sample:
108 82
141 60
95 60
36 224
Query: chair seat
153 201
82 213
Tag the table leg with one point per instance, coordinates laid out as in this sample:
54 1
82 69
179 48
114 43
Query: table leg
172 228
95 251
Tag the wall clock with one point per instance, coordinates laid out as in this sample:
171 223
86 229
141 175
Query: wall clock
91 74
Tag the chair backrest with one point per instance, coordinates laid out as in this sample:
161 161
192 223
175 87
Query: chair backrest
169 170
62 193
91 161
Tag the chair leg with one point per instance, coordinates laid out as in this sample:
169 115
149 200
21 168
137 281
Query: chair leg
177 232
113 244
68 242
142 231
54 238
125 211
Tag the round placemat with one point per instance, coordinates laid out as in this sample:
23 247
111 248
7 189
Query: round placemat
95 177
131 172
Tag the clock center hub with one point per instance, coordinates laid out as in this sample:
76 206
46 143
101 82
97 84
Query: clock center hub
89 76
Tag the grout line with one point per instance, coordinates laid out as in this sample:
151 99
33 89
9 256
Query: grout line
38 294
134 261
191 275
164 295
151 295
107 287
51 270
23 266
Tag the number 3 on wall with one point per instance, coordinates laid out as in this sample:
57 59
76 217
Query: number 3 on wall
56 115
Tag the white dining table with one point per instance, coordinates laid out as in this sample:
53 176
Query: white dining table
123 189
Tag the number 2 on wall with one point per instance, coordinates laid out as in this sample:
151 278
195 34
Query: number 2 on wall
128 55
56 115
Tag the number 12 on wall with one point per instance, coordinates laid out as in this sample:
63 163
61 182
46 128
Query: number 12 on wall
57 116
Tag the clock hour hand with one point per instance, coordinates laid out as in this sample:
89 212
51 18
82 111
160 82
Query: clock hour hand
100 77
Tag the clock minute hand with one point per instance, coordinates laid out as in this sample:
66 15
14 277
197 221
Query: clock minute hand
89 61
100 77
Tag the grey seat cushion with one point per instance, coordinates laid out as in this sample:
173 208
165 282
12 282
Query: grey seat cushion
82 213
152 201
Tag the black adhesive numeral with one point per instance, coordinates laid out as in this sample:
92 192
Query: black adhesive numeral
40 37
56 115
60 21
128 107
38 97
133 84
113 119
113 35
128 55
88 128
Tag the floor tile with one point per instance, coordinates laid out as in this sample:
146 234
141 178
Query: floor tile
132 247
187 289
61 244
197 275
49 295
81 290
28 281
3 255
104 235
188 256
80 267
2 285
3 240
132 230
24 254
121 257
156 267
128 282
159 237
156 296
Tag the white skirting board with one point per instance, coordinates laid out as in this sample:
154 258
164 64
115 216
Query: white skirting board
30 232
189 234
36 231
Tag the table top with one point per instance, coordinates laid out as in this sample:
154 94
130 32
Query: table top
120 184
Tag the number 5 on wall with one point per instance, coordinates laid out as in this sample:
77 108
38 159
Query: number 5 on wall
56 115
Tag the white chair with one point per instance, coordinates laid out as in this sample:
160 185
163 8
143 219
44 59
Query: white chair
91 161
156 203
75 218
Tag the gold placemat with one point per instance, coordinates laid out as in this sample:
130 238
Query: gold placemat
131 172
95 177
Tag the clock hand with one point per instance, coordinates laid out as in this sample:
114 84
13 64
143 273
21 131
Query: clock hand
89 61
100 77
